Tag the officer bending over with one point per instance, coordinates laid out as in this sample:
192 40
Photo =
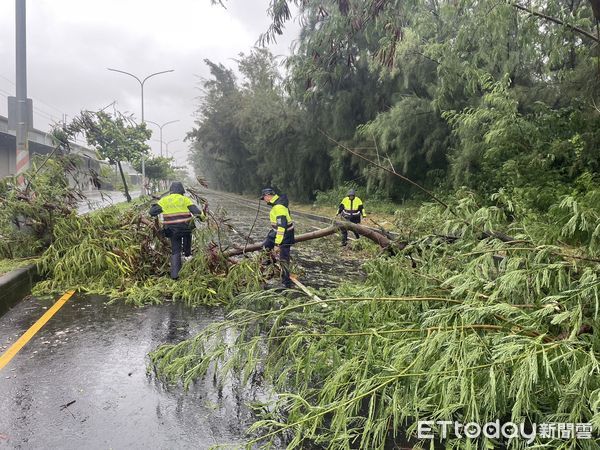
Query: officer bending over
178 213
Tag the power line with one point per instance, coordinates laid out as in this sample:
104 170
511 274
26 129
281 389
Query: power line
36 99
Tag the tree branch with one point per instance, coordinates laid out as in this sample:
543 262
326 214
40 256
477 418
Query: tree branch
393 172
376 237
557 21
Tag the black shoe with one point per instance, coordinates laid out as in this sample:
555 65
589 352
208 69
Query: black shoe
288 285
344 244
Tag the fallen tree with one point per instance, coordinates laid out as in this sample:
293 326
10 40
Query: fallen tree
373 235
456 329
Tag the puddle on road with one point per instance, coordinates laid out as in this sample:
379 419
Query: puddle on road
82 382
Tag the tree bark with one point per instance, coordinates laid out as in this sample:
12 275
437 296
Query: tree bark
127 196
376 237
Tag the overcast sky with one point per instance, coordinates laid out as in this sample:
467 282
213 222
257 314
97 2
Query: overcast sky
70 44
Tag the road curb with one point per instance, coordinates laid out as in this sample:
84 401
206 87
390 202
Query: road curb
16 285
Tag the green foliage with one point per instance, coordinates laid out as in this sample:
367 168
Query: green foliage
7 265
157 169
502 148
483 95
117 252
477 330
578 216
29 211
249 135
411 138
218 153
116 137
492 311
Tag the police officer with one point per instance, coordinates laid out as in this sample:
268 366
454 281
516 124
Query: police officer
178 213
281 236
351 209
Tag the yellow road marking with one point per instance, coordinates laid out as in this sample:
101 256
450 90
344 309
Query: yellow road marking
20 343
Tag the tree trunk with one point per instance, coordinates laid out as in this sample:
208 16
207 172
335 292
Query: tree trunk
127 196
376 237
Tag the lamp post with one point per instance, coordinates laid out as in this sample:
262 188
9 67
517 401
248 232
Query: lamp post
161 127
142 81
167 146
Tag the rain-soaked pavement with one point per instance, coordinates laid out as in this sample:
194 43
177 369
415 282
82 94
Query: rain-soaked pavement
93 357
100 199
320 263
82 381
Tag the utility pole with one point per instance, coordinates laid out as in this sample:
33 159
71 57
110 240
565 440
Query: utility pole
22 110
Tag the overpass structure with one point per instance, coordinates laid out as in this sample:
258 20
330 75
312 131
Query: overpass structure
41 143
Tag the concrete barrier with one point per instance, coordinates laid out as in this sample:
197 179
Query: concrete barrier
16 285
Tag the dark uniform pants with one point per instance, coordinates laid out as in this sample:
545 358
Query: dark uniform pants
284 256
181 241
353 219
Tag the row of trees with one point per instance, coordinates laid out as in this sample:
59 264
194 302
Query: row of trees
482 94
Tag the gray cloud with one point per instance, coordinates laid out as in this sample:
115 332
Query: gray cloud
69 51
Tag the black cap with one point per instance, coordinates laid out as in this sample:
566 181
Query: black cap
266 191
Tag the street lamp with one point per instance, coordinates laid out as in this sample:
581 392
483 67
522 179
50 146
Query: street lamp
167 145
161 127
142 86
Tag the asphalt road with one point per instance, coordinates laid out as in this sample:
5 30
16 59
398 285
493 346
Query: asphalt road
93 357
100 199
81 381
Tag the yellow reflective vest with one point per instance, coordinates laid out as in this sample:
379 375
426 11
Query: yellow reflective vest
280 218
352 208
175 209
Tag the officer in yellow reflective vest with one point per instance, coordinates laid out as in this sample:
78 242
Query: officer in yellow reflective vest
352 209
178 213
281 236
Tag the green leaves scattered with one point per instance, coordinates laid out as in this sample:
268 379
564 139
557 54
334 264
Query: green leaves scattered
479 330
119 253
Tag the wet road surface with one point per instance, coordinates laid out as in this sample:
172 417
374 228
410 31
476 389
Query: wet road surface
95 355
100 199
81 382
318 264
